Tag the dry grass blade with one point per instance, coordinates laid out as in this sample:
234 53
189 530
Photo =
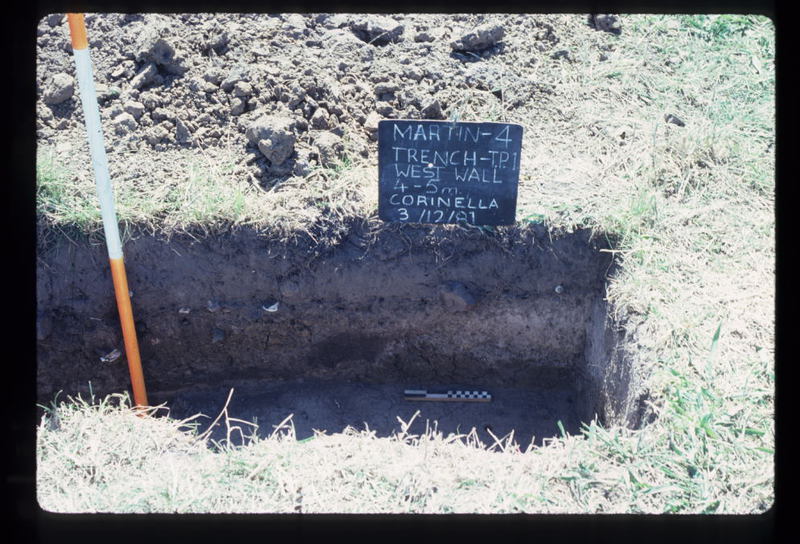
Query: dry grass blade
503 443
207 432
288 423
403 434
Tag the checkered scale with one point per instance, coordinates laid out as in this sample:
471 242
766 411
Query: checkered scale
470 395
451 395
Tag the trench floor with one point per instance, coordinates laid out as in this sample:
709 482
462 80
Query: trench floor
332 406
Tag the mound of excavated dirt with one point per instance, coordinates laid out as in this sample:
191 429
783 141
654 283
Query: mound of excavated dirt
288 92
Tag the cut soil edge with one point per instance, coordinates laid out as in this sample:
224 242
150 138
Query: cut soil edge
520 312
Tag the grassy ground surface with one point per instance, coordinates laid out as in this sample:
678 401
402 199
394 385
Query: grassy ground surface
693 209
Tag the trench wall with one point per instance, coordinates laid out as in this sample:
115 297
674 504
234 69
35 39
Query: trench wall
416 305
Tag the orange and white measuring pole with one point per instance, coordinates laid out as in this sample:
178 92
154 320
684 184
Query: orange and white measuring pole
91 113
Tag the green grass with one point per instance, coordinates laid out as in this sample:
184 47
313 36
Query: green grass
691 210
207 193
64 199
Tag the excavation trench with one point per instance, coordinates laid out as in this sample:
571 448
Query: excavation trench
334 337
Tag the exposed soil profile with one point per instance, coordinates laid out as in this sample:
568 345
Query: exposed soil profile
335 336
330 330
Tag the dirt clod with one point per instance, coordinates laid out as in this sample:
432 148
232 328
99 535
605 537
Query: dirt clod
59 89
377 30
432 109
274 136
124 123
135 109
483 37
330 147
153 48
606 22
147 74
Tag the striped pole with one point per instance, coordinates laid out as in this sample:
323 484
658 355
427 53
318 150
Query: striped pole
91 113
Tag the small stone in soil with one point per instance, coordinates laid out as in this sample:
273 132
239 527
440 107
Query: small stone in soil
111 356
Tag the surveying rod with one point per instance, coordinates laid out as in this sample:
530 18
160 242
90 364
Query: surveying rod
91 113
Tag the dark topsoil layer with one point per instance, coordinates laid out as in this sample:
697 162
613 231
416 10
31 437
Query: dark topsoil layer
410 305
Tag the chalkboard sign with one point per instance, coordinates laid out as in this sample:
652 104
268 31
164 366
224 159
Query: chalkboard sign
445 172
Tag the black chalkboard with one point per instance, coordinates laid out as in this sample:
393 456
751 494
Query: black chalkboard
445 172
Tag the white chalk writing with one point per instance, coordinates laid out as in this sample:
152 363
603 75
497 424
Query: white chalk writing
443 172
